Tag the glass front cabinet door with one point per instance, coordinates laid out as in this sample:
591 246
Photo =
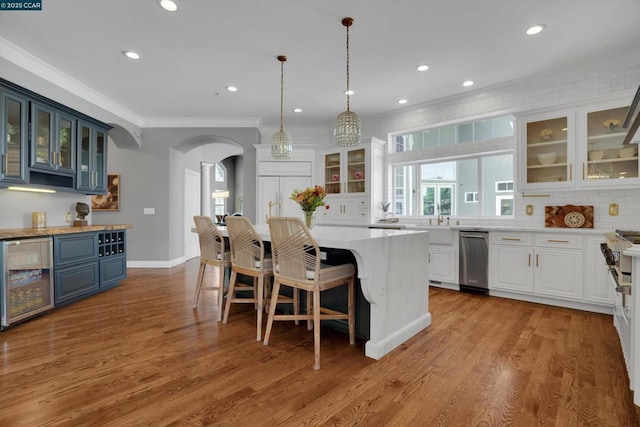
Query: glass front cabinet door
53 139
344 171
14 137
547 151
605 160
92 146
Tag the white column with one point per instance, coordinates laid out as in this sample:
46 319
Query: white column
205 189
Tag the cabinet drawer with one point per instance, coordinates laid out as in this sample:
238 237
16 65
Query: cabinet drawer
519 239
72 249
559 241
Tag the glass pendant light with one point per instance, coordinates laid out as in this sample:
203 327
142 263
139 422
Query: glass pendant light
281 147
347 131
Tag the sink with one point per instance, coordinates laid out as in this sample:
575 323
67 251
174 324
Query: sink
438 234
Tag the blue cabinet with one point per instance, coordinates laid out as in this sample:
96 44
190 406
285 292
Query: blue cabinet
13 136
86 263
48 144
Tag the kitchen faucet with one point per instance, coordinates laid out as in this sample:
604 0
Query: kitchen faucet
440 219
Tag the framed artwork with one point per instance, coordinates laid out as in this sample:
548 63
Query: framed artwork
111 200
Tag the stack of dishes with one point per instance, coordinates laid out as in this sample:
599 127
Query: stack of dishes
596 155
626 152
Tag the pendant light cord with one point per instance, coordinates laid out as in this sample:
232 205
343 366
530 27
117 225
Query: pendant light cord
281 58
347 24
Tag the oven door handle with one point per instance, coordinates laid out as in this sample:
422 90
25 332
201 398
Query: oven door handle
624 289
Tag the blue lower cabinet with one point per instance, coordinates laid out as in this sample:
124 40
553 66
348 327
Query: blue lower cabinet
72 283
87 263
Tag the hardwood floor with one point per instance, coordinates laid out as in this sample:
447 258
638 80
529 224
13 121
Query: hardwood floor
140 355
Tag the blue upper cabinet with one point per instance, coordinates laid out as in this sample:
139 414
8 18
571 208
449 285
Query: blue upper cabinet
47 144
14 133
53 139
92 155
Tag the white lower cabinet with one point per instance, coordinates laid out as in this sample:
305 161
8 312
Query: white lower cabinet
443 263
546 265
348 209
597 285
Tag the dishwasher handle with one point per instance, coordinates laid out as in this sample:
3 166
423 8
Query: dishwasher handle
474 234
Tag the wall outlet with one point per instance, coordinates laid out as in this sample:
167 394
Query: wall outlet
67 217
613 209
149 211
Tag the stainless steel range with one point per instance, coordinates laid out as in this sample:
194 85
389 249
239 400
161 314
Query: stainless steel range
621 273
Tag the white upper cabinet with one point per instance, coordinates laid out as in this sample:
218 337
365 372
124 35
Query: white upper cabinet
577 149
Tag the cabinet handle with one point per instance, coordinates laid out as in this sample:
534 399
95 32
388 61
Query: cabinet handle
529 262
53 158
59 159
429 258
514 239
557 241
583 171
536 260
571 172
5 163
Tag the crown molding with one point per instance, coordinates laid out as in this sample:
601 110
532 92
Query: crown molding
38 67
202 122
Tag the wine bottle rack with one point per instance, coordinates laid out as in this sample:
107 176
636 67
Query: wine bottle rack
111 243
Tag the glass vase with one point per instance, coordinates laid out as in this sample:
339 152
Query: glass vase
309 217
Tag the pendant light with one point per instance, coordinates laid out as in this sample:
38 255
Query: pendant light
281 147
347 131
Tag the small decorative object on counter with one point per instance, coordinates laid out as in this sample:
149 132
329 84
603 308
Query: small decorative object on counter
83 210
309 200
39 219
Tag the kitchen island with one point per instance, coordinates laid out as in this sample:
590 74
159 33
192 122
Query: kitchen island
394 277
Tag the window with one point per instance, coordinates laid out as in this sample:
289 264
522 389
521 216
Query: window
478 181
471 131
220 186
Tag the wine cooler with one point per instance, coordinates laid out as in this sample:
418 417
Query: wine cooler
27 279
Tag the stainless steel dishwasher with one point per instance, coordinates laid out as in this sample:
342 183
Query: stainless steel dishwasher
474 261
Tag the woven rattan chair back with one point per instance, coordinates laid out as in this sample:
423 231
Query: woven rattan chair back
213 252
295 251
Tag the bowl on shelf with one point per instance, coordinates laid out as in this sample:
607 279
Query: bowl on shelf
627 152
547 158
611 124
596 155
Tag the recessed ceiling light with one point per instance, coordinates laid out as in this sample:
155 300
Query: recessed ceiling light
169 5
423 67
349 92
535 29
231 88
297 110
468 83
131 54
402 101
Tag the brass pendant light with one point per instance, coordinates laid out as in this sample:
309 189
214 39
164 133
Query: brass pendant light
347 130
281 147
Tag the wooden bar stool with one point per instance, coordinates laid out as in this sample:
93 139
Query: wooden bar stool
214 253
296 258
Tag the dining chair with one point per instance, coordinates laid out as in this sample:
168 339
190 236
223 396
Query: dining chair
296 258
212 252
247 258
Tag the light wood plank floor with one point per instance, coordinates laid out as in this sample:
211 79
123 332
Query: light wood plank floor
140 355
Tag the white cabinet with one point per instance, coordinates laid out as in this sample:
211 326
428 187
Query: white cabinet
443 263
277 179
597 285
579 148
354 180
546 151
510 257
543 264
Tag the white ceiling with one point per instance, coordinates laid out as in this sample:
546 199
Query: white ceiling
191 55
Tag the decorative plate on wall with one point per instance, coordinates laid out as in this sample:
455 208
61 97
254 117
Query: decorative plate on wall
568 216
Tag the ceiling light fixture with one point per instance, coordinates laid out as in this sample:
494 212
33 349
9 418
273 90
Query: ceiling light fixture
232 88
535 29
347 130
423 67
402 101
468 83
281 147
297 110
169 5
131 54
